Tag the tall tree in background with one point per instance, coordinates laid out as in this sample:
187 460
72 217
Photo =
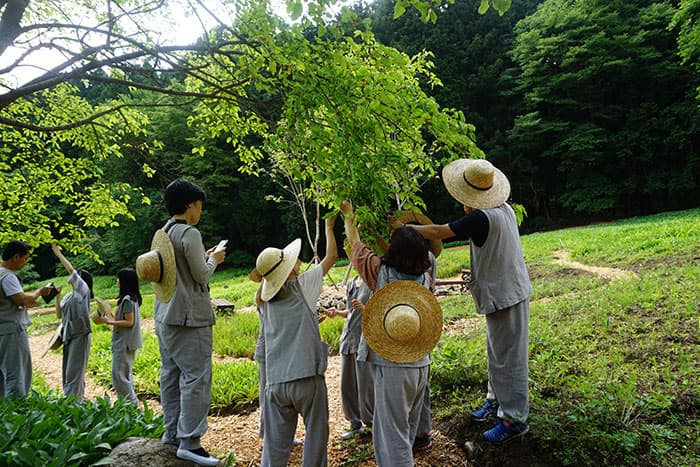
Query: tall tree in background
609 125
687 21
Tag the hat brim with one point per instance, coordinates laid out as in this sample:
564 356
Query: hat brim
273 282
402 293
453 178
415 217
56 340
164 289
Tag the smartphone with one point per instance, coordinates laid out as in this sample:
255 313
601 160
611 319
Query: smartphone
52 294
221 245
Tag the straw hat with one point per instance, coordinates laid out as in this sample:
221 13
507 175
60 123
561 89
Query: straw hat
402 321
56 340
158 266
103 310
476 183
415 217
273 267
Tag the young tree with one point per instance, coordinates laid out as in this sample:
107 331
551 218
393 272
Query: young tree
354 121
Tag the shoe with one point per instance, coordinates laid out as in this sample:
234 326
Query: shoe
422 443
296 442
167 439
352 433
505 431
487 410
198 456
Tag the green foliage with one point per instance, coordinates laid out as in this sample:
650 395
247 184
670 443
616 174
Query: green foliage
331 329
235 336
54 192
234 385
339 94
687 21
429 9
51 430
591 126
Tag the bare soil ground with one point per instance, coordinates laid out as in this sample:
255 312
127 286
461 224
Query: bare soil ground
238 433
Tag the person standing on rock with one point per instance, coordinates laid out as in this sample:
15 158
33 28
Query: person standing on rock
179 269
500 287
15 356
295 357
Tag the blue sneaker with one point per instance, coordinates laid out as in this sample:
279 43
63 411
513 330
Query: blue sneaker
487 410
505 431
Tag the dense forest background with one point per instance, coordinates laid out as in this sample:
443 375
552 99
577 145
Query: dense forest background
586 106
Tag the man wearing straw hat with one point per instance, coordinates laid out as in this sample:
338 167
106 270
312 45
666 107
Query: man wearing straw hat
15 357
401 324
179 269
500 287
295 358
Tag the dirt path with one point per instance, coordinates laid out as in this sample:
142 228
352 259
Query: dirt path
239 433
563 258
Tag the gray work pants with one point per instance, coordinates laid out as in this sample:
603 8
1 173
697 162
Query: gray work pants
356 390
399 396
122 375
185 382
506 345
15 365
284 402
75 358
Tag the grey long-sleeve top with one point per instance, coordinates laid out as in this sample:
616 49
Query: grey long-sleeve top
190 305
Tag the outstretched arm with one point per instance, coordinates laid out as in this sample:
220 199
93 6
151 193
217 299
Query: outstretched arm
331 246
351 231
429 231
57 251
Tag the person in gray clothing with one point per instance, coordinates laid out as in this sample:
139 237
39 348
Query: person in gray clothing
184 327
126 333
500 287
356 383
295 357
399 387
15 356
74 312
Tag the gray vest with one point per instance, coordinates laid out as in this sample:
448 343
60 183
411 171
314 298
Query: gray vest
127 338
499 276
190 305
13 318
293 346
365 352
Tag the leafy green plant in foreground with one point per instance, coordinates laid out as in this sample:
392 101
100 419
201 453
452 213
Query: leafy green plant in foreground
48 429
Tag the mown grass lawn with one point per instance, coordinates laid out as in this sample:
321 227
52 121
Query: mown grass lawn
614 365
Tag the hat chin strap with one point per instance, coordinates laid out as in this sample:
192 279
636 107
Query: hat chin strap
276 264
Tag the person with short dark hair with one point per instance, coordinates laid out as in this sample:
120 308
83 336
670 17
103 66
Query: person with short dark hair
126 333
74 312
184 326
15 356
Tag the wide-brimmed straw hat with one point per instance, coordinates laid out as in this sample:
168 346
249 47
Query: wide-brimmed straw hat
56 340
402 321
476 183
158 266
273 267
415 217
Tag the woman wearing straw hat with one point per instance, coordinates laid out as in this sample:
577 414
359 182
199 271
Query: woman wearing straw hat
184 320
500 287
400 326
74 312
295 357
